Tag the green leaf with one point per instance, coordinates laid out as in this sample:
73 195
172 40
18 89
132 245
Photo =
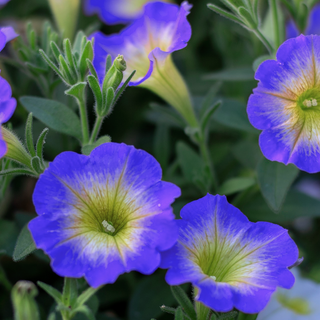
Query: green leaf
178 314
69 76
92 70
51 64
88 148
29 136
8 236
190 162
77 43
123 87
69 55
275 180
184 302
36 164
208 100
54 293
232 113
24 246
238 74
168 309
55 50
150 293
204 122
76 90
17 171
235 185
247 18
247 153
55 115
243 316
295 206
87 54
108 63
86 311
224 13
85 296
96 90
41 142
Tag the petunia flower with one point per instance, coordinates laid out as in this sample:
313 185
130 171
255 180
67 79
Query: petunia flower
147 45
105 214
116 11
6 34
286 103
7 108
299 303
313 24
231 262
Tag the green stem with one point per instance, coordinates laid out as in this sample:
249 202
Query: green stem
201 310
206 158
275 18
96 129
84 118
263 39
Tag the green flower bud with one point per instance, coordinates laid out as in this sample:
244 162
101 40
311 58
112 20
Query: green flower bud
24 304
114 76
16 151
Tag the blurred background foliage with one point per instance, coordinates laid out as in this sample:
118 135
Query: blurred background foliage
218 59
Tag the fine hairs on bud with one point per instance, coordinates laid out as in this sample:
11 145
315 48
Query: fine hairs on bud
108 227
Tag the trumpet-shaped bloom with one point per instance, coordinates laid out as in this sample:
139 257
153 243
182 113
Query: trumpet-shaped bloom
313 24
7 108
116 11
147 45
104 214
231 261
286 104
299 303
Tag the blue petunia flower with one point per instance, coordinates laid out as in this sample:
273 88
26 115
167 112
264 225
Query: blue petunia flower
116 11
286 103
7 108
313 24
147 45
105 214
232 262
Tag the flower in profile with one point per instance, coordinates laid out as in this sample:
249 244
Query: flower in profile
147 45
105 214
116 11
7 108
232 262
313 24
286 103
299 303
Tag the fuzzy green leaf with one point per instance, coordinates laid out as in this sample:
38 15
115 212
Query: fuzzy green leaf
24 246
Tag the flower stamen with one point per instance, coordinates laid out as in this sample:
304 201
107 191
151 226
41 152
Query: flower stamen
108 227
310 103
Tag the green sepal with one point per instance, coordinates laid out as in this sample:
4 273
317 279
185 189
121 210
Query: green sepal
40 143
114 76
69 55
92 69
247 18
51 64
24 246
54 293
168 309
87 54
77 42
96 90
108 63
85 310
55 50
178 314
69 76
184 302
109 99
123 87
29 135
85 296
225 14
36 164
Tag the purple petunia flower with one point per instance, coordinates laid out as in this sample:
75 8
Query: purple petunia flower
6 34
105 214
285 105
116 11
231 261
313 24
7 108
147 45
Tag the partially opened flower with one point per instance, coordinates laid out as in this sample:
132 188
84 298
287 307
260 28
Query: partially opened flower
7 108
313 24
147 45
116 11
104 214
286 103
232 262
299 303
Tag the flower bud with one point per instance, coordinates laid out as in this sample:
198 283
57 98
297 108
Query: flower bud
24 304
15 149
66 15
114 76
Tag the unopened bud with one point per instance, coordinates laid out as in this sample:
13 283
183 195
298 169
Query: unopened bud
114 76
24 304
